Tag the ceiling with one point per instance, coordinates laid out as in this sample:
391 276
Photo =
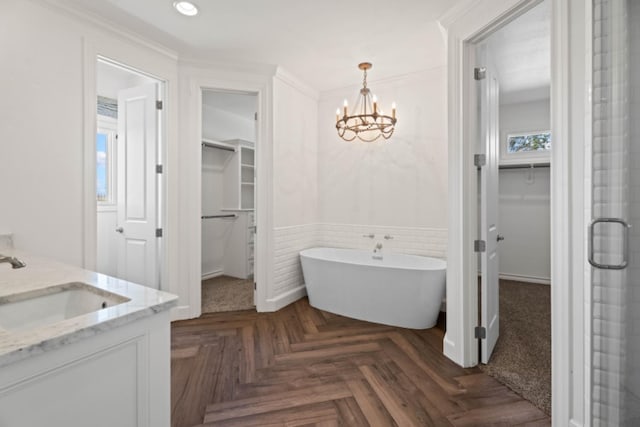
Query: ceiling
319 42
241 104
522 55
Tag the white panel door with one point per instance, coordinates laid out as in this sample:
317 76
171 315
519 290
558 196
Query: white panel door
489 140
137 207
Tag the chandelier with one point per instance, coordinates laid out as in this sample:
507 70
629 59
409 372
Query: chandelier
367 123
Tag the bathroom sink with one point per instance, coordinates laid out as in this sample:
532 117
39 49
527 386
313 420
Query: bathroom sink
42 307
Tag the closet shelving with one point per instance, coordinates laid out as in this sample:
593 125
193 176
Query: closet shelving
247 177
239 177
235 160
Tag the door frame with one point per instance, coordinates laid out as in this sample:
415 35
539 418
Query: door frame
259 289
465 27
228 80
90 240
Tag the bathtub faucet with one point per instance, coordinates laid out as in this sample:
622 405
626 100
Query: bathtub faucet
377 251
15 262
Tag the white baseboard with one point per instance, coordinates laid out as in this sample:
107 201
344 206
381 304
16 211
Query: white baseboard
528 279
182 312
286 298
450 351
213 274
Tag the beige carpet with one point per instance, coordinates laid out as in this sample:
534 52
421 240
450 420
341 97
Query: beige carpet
226 293
522 357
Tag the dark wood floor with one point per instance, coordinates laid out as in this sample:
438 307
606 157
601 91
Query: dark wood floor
302 367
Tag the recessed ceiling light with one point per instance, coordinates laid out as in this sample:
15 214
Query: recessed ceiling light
186 8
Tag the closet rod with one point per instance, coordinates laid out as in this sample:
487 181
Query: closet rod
529 166
219 216
219 147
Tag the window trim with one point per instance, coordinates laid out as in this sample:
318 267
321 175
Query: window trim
525 157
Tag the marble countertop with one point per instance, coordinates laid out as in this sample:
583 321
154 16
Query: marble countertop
41 273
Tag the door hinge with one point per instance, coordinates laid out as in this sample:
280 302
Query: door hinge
255 286
479 73
479 246
159 105
479 160
158 232
159 169
480 332
255 116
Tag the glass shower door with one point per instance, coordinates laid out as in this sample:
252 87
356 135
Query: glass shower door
614 245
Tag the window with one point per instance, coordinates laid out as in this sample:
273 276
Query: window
102 167
526 148
105 162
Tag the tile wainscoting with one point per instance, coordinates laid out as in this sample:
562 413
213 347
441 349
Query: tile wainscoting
287 271
407 240
289 241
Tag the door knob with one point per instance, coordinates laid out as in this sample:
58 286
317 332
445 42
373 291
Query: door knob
499 238
120 230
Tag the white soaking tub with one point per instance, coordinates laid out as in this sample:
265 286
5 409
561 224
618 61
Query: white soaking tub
397 290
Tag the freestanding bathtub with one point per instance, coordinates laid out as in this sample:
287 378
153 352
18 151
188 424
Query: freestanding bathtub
397 290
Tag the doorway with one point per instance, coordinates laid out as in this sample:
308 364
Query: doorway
513 78
128 173
229 143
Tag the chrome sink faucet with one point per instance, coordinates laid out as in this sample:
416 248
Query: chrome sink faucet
377 251
15 262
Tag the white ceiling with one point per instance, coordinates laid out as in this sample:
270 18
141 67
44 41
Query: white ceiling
320 42
240 104
522 55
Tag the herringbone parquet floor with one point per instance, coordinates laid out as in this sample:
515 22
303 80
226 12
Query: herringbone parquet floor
305 367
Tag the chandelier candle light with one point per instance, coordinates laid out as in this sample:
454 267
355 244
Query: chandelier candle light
367 123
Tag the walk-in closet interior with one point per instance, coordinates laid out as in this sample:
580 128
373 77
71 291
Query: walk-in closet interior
519 55
228 200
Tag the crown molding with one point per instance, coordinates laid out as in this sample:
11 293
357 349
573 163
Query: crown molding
291 80
453 14
64 7
202 62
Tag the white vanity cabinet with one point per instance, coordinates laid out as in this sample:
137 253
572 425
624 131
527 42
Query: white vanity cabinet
239 177
101 362
238 256
120 377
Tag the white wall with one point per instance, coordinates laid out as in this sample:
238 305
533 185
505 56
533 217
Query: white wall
41 130
295 184
295 157
385 185
524 202
524 221
44 137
